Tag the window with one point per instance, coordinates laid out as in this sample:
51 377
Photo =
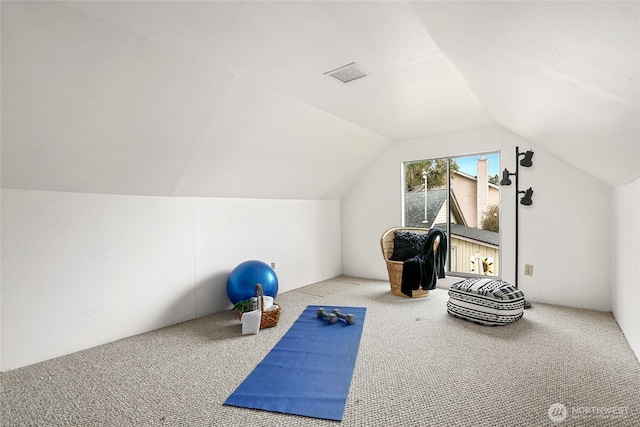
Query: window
462 198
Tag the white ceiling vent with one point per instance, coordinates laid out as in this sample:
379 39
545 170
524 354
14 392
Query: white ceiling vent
348 73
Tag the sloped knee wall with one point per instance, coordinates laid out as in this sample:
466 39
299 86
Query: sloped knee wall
80 270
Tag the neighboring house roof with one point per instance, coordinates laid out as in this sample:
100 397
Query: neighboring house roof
477 234
414 201
436 199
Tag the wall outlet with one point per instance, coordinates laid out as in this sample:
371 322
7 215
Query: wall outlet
528 270
273 265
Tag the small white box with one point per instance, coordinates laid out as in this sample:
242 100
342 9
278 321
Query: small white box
251 322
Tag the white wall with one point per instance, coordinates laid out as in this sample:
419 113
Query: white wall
301 237
565 234
81 270
626 268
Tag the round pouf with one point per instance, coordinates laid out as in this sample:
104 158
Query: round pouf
241 283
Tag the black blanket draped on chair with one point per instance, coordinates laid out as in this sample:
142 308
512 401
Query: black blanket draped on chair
424 270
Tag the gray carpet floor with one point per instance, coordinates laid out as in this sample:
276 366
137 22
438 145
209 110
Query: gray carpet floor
417 366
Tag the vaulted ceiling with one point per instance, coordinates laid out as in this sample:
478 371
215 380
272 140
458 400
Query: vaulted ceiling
230 99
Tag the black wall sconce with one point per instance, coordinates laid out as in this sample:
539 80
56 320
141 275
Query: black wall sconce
525 200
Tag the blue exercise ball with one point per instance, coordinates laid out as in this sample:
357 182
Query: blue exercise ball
242 281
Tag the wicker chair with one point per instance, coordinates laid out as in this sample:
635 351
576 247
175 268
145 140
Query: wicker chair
394 268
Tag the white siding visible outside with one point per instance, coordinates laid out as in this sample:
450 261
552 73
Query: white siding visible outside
465 249
464 187
441 218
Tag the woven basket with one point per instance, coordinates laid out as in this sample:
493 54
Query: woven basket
394 268
269 318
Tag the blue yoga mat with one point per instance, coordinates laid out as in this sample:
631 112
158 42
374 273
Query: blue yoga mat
309 370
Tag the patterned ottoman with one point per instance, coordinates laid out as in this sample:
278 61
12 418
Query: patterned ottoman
485 301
